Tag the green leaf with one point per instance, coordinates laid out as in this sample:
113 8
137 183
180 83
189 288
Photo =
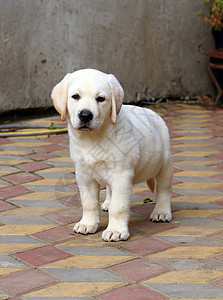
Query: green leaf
148 200
52 126
193 208
199 12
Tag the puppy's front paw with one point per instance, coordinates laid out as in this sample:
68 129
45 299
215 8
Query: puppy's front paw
160 216
85 228
115 236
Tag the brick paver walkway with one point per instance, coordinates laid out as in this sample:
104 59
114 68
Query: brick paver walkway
41 257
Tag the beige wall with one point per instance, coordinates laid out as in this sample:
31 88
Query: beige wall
150 45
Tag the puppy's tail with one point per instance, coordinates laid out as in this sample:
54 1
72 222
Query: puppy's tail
151 184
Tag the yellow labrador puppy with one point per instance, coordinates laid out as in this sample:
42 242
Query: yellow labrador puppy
114 145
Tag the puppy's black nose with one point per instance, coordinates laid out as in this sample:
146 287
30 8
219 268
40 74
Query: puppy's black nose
85 116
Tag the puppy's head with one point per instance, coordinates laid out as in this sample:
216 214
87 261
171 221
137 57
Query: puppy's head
87 98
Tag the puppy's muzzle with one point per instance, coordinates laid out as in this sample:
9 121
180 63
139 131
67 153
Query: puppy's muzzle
85 116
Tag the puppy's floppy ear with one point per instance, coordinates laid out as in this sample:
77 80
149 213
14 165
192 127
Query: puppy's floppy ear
59 96
117 97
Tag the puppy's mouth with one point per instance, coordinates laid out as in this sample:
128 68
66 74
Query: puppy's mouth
85 127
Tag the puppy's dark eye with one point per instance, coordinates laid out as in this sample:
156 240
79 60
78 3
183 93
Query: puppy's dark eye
100 99
76 97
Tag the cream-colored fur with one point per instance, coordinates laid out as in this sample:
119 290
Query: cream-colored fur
115 145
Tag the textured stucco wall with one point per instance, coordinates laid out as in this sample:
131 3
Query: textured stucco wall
150 45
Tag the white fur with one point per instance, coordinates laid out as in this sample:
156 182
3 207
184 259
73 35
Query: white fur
118 149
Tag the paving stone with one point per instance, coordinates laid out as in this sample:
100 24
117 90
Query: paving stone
89 262
43 255
57 139
23 229
51 181
74 289
196 213
64 171
132 292
27 144
66 216
198 222
5 170
4 141
9 249
189 252
177 263
147 227
219 166
144 209
61 157
56 298
65 155
211 154
28 141
4 183
44 196
216 156
15 153
218 176
181 180
85 275
58 175
10 160
94 251
61 163
219 203
18 239
50 148
188 291
4 295
139 269
50 188
38 203
219 283
193 240
27 211
191 165
5 206
13 148
26 220
13 191
26 281
41 156
33 166
74 186
220 188
197 185
146 246
191 231
219 257
90 240
187 277
7 261
219 235
197 206
55 235
73 201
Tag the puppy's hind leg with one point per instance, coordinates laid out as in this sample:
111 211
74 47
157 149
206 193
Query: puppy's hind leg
151 184
162 210
106 203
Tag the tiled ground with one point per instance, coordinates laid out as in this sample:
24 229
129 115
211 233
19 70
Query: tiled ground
41 258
